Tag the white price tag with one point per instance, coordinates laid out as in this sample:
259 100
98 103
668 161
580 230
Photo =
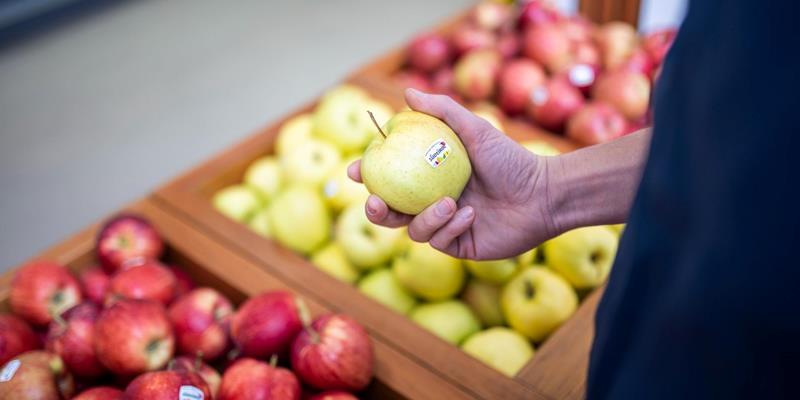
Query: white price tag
9 370
189 392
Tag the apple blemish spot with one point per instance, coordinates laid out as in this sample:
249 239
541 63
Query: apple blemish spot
437 153
189 392
9 370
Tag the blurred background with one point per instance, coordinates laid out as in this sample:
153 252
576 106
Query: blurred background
102 101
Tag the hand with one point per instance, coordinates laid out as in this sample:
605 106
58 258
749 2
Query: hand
503 210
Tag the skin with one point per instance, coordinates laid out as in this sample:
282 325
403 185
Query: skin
527 198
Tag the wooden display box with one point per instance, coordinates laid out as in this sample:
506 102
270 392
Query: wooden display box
210 263
557 371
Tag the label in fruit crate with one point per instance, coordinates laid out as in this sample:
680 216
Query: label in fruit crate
9 370
437 153
189 392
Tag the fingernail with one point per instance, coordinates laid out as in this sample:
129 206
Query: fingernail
467 212
413 91
443 208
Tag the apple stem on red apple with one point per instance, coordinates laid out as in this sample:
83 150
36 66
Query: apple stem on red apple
376 124
234 353
273 360
198 360
60 321
171 365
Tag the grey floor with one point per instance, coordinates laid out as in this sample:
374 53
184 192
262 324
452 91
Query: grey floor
101 110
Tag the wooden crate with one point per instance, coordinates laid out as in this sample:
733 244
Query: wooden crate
557 371
210 263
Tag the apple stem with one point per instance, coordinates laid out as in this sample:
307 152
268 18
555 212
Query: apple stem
305 318
273 360
171 365
198 360
376 123
234 353
60 321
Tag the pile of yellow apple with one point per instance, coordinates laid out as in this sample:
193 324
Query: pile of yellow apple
496 311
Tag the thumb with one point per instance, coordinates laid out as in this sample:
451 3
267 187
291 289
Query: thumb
467 125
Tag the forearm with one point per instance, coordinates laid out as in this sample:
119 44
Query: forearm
596 185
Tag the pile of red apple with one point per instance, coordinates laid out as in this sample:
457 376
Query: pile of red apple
136 328
563 73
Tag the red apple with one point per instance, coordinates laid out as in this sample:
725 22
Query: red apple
249 379
517 79
581 76
509 44
628 92
100 393
490 15
549 46
639 61
333 395
616 40
149 281
428 52
16 337
41 290
442 80
266 324
658 43
412 79
586 53
94 282
334 353
596 123
553 103
467 37
576 28
476 74
184 283
35 375
537 12
72 337
127 240
168 385
209 375
133 336
200 319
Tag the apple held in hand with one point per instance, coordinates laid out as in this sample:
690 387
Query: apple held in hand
450 320
266 324
133 336
628 92
127 240
249 379
553 103
501 348
265 176
149 281
334 262
299 219
100 393
428 273
37 375
418 161
237 202
596 123
42 290
492 271
365 244
537 301
428 52
188 364
72 337
475 74
168 385
200 320
334 352
583 256
16 337
483 299
382 286
517 79
94 284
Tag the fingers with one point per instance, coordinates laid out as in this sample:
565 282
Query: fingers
468 126
380 214
445 237
354 171
424 225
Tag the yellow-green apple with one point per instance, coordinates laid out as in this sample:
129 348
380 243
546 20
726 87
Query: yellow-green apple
265 176
627 91
658 43
492 271
583 256
310 162
450 320
200 320
484 300
293 133
596 123
467 37
133 336
149 281
193 364
418 161
42 290
36 374
341 118
540 148
517 79
428 52
333 261
299 219
260 223
475 74
334 352
500 348
333 395
618 228
72 338
126 240
94 284
365 244
266 324
553 103
548 45
100 393
616 40
341 191
238 202
537 301
382 286
527 258
168 385
428 273
16 337
248 379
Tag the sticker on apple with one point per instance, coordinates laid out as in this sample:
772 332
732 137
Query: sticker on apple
437 153
9 370
189 392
